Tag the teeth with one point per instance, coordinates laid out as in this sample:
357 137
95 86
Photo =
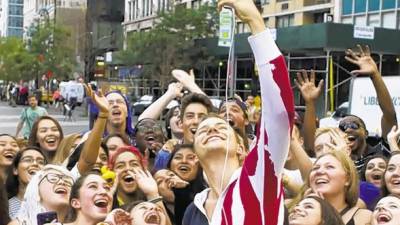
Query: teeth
150 139
321 181
184 168
128 178
193 130
60 191
396 182
351 138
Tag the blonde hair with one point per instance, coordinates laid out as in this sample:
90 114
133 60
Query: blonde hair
351 191
32 205
64 148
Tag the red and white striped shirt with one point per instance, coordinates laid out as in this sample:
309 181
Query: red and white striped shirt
254 194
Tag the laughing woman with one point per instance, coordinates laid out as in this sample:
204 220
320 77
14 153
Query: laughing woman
387 211
392 175
48 190
25 165
47 135
8 150
91 200
334 176
313 210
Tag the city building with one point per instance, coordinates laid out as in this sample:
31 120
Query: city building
11 18
69 13
375 13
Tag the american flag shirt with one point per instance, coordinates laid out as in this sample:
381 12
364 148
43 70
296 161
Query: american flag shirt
254 195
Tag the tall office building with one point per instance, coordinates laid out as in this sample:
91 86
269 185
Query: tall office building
375 13
11 18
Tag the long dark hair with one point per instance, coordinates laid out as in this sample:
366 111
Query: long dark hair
168 116
4 216
12 183
364 168
329 215
32 141
72 213
385 191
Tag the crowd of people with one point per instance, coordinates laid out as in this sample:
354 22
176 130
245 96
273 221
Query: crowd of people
235 164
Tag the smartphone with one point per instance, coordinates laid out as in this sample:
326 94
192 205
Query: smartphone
46 217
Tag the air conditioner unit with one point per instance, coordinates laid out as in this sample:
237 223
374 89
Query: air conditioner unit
328 18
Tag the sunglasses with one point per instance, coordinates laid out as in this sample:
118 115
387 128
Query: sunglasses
145 129
348 125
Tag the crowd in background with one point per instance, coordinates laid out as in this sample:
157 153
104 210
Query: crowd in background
239 163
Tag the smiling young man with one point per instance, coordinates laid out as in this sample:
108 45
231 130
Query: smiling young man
194 108
253 193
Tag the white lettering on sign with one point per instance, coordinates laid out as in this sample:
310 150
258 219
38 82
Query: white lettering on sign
364 32
364 101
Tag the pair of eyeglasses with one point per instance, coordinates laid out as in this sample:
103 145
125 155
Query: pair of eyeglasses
348 125
54 178
144 129
28 159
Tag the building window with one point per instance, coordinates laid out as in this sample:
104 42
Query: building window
389 20
15 21
374 20
373 5
347 7
129 10
285 21
15 10
389 4
360 6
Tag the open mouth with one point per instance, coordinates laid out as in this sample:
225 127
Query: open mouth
395 182
184 168
383 218
150 138
152 218
231 122
128 179
61 191
376 177
193 130
32 171
9 155
321 181
116 113
351 138
51 140
101 203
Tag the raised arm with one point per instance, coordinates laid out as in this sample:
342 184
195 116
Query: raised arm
154 110
310 93
188 80
367 66
91 147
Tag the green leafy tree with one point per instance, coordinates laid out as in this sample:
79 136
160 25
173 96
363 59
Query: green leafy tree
50 46
171 43
16 62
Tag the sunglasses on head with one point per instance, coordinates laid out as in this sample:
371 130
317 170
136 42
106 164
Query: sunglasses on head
348 125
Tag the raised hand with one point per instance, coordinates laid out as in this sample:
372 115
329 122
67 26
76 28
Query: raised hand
247 13
145 182
306 85
176 182
187 79
170 145
363 60
175 89
393 138
339 143
118 217
98 99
